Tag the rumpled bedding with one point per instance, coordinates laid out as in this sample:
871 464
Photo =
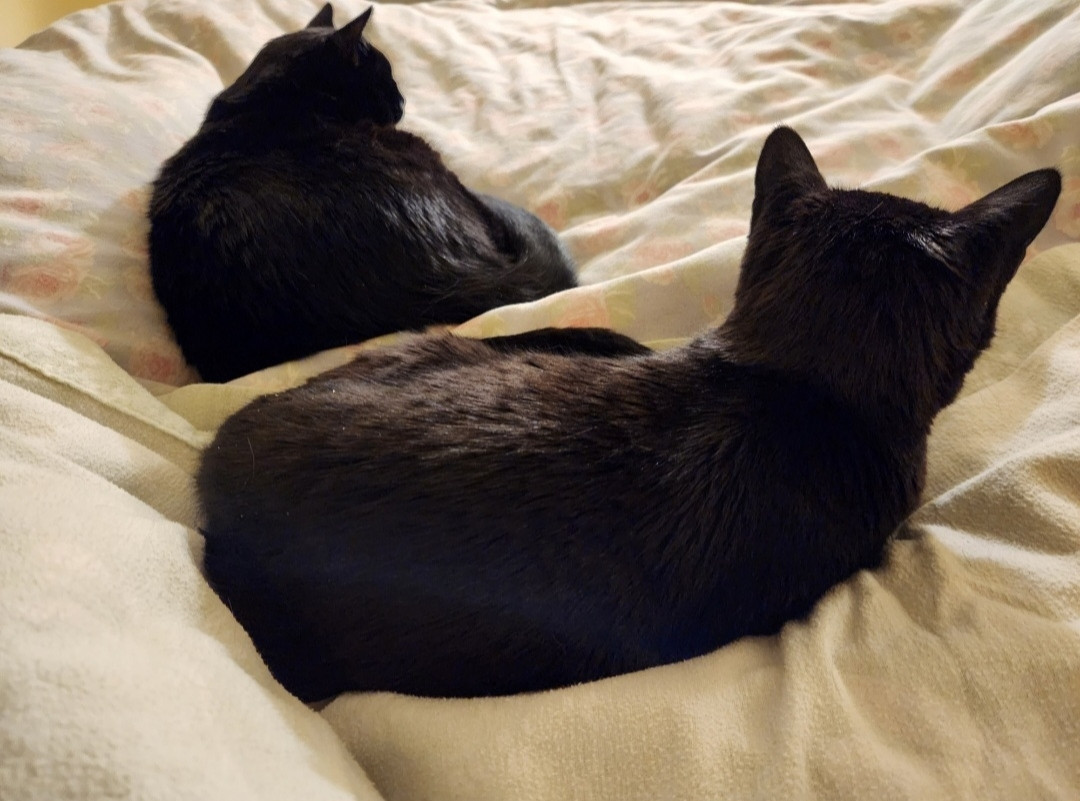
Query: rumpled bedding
952 672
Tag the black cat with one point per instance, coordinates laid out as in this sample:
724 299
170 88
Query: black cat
456 517
299 218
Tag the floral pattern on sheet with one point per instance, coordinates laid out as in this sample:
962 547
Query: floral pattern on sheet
634 133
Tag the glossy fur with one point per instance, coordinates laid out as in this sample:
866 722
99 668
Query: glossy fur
299 218
454 517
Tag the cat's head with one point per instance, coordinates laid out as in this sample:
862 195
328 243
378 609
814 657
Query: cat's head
338 73
882 301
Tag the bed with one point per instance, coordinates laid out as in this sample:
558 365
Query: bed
952 672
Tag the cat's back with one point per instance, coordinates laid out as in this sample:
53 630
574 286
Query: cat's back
270 246
222 166
444 427
453 430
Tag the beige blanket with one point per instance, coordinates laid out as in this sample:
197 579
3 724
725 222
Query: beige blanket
952 672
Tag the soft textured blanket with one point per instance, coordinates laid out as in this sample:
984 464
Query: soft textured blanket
952 672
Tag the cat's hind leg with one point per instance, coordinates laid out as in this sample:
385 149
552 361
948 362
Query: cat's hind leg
570 342
404 361
422 354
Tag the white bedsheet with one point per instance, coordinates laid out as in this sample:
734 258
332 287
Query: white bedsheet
952 672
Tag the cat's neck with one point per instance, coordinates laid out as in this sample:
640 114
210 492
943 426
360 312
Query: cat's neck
903 423
257 128
277 113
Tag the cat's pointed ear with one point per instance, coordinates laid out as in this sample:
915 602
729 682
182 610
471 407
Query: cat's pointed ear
1013 215
351 35
785 163
324 19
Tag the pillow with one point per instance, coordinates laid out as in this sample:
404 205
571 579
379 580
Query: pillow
89 108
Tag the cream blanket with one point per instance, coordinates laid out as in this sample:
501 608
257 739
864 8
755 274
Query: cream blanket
952 672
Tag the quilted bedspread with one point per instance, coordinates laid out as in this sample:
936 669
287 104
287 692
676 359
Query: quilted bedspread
953 672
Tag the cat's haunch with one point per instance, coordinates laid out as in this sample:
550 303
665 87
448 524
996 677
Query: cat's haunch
298 218
458 517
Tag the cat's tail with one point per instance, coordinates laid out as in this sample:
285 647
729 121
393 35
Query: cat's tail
538 258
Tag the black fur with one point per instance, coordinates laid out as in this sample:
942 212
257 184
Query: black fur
299 218
457 517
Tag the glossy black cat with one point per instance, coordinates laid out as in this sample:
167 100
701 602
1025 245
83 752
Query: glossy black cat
299 218
459 517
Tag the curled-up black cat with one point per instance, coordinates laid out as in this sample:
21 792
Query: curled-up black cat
299 217
459 517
